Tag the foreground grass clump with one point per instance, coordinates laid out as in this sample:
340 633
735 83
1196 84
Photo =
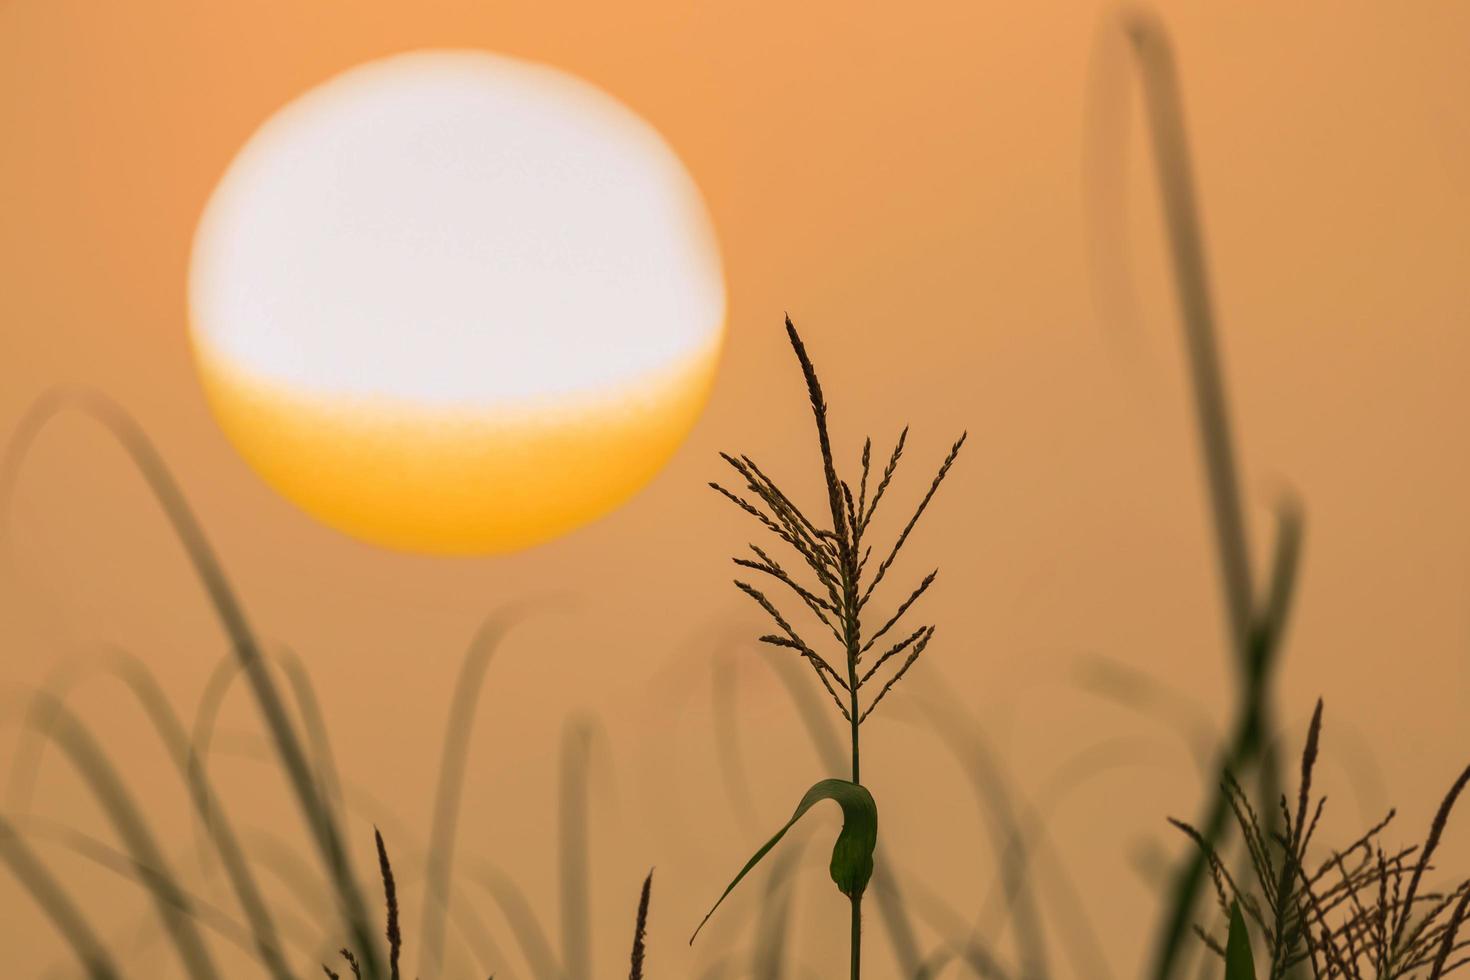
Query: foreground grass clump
1361 914
838 558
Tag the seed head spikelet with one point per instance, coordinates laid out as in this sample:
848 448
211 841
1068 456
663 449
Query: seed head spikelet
835 556
640 930
390 895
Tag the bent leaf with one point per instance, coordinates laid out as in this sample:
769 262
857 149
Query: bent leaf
852 855
1239 963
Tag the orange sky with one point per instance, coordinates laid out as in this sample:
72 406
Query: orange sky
907 181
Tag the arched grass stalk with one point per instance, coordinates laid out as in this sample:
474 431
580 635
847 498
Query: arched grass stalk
141 683
53 900
295 762
838 557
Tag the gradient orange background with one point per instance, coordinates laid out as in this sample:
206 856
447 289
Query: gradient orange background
908 181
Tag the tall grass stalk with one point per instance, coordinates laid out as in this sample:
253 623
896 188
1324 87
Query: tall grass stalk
1255 622
838 557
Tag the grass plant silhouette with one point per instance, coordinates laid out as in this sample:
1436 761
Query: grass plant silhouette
838 558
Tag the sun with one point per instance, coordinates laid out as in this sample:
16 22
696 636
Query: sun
455 302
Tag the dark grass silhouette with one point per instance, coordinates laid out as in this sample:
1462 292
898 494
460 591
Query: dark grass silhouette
837 558
640 930
1360 914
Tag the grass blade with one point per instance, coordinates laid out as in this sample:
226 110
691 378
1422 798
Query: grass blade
51 716
52 900
453 759
325 832
572 851
1240 964
852 855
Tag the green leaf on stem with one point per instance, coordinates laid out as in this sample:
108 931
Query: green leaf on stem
852 855
1239 963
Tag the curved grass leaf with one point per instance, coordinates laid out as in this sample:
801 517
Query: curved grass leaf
53 900
1239 963
818 724
295 764
852 855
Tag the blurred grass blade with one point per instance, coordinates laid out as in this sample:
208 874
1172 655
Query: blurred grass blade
453 759
325 832
572 850
106 786
528 932
1239 963
726 724
141 683
102 855
1165 112
852 855
56 904
1270 622
139 679
1254 647
309 711
774 925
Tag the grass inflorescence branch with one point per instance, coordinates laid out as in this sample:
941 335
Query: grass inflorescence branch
841 586
836 556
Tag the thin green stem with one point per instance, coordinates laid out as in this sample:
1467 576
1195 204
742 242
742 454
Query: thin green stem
853 636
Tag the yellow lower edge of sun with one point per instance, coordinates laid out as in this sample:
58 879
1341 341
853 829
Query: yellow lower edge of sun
458 481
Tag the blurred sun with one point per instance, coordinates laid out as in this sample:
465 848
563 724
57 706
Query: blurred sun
453 302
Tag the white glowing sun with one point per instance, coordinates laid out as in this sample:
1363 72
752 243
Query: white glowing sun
456 302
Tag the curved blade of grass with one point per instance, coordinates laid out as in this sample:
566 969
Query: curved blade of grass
852 854
961 946
107 787
52 900
141 683
529 935
453 760
1032 835
1131 688
308 707
993 794
314 723
109 858
145 457
1008 814
280 858
1240 964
